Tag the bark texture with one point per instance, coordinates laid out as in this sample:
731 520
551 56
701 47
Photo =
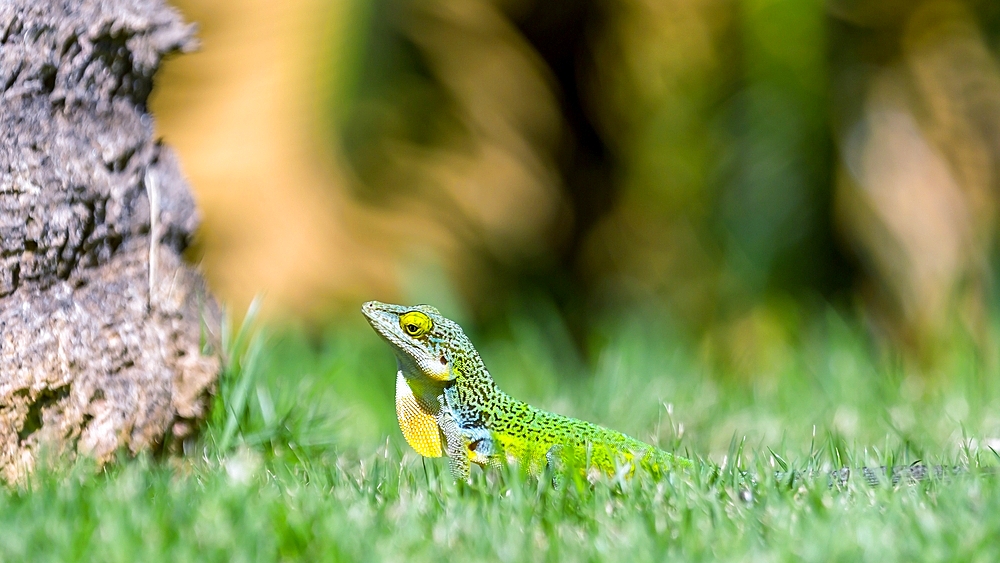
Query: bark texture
101 332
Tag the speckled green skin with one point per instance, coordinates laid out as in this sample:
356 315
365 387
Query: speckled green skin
482 424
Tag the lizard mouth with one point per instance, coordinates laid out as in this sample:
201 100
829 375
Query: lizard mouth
382 320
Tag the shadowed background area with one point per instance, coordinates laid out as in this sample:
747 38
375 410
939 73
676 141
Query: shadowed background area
735 166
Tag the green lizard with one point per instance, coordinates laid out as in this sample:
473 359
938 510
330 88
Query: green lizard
448 404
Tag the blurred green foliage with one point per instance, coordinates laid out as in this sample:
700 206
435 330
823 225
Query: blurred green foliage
696 154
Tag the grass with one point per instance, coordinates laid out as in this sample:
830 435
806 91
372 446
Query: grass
301 460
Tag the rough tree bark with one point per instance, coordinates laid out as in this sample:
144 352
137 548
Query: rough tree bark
101 332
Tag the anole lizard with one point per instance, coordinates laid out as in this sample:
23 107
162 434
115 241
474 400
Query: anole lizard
448 404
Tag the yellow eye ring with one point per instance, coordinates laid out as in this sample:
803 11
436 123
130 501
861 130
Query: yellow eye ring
415 323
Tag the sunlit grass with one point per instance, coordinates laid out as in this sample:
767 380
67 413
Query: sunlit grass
300 460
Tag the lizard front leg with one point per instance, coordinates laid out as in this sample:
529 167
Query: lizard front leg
456 445
466 444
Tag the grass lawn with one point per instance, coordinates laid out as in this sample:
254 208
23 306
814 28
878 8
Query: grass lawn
301 460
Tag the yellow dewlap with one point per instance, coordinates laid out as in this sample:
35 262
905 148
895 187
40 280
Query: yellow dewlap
416 421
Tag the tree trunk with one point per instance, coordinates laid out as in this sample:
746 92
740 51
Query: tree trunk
101 332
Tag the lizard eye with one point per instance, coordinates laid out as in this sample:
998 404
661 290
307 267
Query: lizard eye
415 323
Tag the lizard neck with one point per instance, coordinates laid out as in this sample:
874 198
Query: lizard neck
477 394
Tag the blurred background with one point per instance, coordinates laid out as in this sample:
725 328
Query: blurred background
732 168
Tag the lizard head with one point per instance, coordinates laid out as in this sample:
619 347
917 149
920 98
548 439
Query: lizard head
424 342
